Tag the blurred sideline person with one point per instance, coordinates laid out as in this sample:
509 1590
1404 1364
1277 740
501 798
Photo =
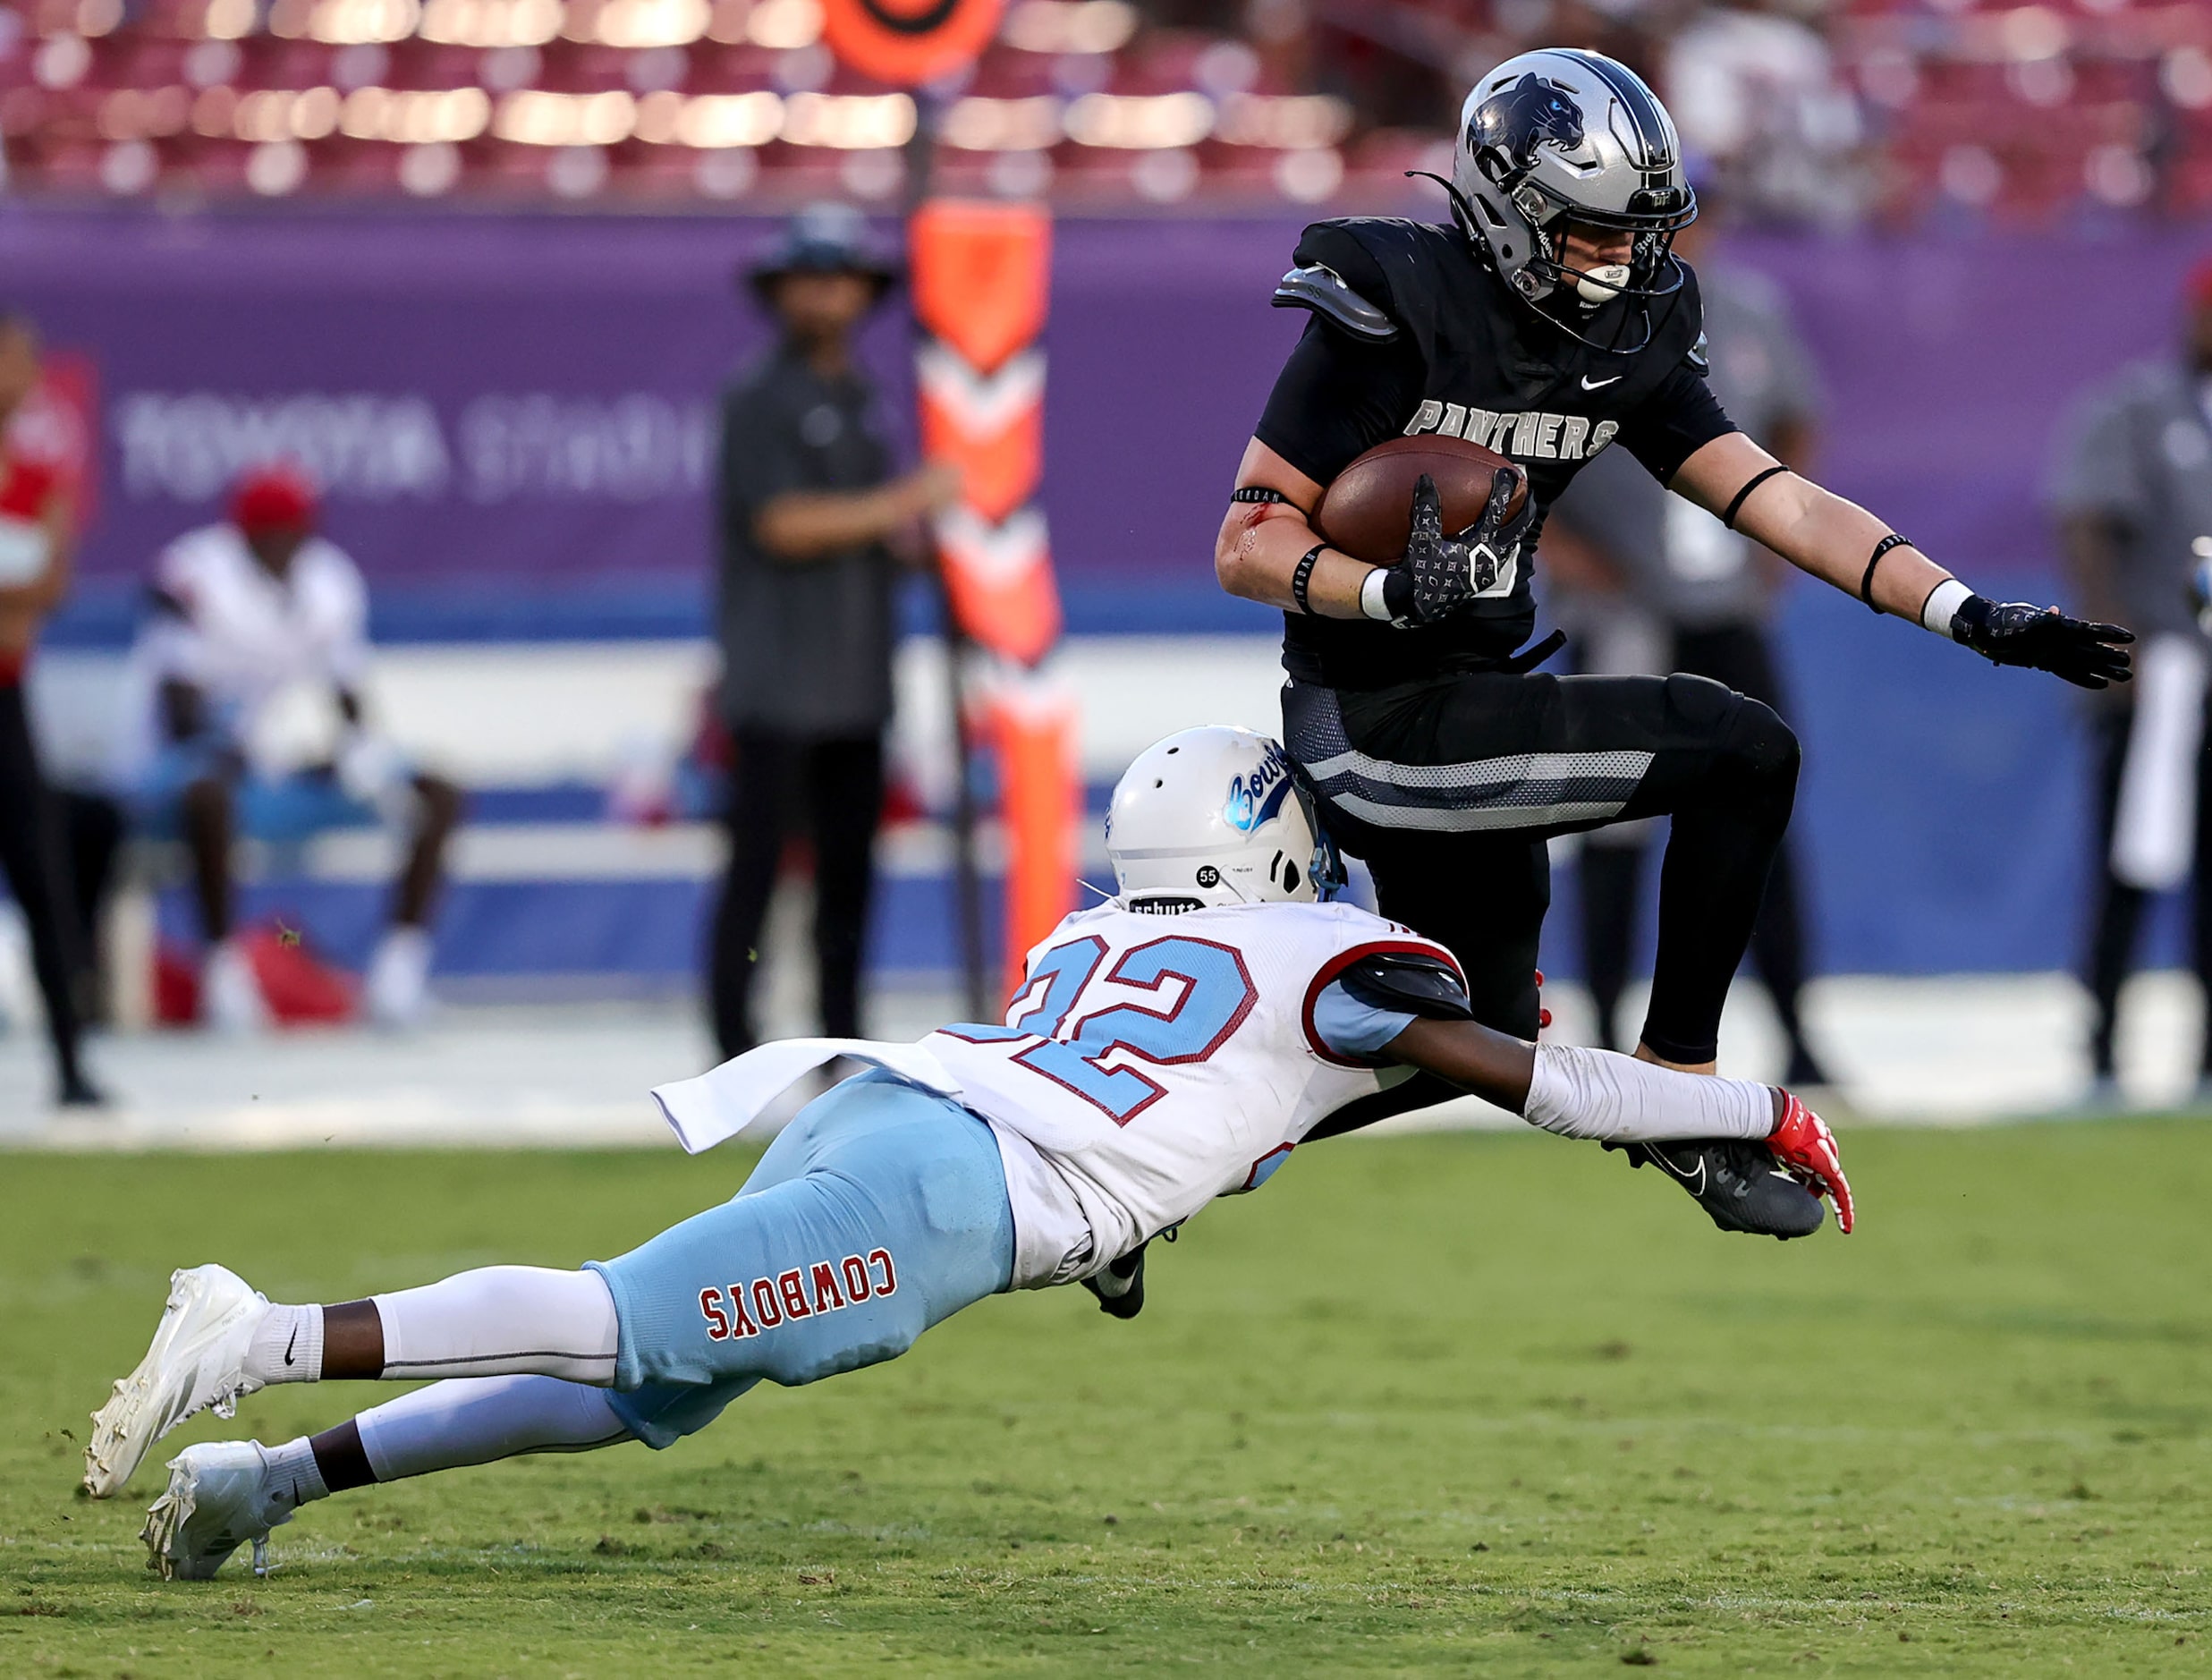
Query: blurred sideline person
241 612
808 514
2131 488
36 561
1659 578
982 1159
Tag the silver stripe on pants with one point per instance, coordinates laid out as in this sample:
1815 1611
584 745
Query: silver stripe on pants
1521 790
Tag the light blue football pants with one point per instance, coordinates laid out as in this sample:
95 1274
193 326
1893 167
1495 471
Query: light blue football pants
880 1211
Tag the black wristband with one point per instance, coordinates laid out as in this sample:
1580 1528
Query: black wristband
1751 484
1303 576
1261 493
1866 583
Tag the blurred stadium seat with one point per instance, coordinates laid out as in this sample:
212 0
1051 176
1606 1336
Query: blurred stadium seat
2021 112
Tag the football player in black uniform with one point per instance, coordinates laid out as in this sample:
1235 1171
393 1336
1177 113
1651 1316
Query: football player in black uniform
1548 320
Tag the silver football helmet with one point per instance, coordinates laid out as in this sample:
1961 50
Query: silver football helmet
1560 135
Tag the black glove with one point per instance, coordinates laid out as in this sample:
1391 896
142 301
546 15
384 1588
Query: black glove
1439 574
2014 632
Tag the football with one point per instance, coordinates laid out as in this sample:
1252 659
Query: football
1367 510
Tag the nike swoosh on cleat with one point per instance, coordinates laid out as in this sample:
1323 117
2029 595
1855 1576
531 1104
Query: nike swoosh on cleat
288 1346
1589 383
1697 1183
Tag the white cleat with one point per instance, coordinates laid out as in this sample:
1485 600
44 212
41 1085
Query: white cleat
220 1496
197 1360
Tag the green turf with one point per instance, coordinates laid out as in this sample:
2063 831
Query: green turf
1472 1403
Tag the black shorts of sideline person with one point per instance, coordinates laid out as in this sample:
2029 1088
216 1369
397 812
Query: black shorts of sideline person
831 790
38 874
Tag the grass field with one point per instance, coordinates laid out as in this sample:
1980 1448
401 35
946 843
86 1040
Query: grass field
1472 1402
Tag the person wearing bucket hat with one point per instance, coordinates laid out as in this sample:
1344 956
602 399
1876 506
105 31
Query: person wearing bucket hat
811 522
823 239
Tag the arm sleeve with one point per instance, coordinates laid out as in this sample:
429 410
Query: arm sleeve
1583 1093
2094 468
349 647
1675 422
170 645
1336 398
1351 1029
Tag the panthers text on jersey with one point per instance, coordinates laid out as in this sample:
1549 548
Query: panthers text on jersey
1149 1064
1466 356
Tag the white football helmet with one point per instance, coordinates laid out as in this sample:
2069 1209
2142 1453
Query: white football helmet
1216 816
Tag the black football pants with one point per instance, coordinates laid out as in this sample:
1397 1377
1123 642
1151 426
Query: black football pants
1449 789
1738 657
836 785
38 875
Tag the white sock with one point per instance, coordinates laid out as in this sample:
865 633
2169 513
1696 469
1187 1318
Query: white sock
1584 1093
502 1319
475 1421
287 1347
294 1463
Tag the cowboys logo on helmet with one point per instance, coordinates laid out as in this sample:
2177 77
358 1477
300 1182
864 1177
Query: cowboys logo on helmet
1562 135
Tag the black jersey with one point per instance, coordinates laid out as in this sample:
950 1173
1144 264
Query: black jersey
1471 359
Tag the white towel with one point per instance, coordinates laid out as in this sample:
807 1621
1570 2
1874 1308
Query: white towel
720 1104
2154 829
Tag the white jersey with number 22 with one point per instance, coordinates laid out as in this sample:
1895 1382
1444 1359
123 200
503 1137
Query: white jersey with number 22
1148 1064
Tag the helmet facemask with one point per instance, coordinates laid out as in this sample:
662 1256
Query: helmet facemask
1651 274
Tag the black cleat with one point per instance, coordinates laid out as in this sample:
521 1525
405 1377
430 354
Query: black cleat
1120 1288
1737 1181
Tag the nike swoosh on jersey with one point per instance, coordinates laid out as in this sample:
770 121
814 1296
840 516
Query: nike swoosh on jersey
1589 383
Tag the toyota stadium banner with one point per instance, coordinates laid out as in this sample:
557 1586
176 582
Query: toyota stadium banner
514 414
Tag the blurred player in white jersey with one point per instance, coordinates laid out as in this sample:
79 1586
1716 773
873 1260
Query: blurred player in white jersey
1170 1046
243 612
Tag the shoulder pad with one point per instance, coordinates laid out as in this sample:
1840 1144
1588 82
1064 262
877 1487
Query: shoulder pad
1701 357
1317 287
1407 983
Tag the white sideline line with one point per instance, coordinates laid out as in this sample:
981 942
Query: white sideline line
1963 1050
611 852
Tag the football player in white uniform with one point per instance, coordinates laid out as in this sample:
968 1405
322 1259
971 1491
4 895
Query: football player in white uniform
1170 1046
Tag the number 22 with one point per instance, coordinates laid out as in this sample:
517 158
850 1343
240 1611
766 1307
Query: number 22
1217 995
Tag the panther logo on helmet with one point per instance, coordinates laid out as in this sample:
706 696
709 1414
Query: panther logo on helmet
1516 120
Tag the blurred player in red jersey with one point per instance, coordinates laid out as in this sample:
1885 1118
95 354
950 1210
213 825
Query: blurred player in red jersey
35 556
245 610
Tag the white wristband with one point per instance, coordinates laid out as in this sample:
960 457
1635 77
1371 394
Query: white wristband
1943 605
1371 600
